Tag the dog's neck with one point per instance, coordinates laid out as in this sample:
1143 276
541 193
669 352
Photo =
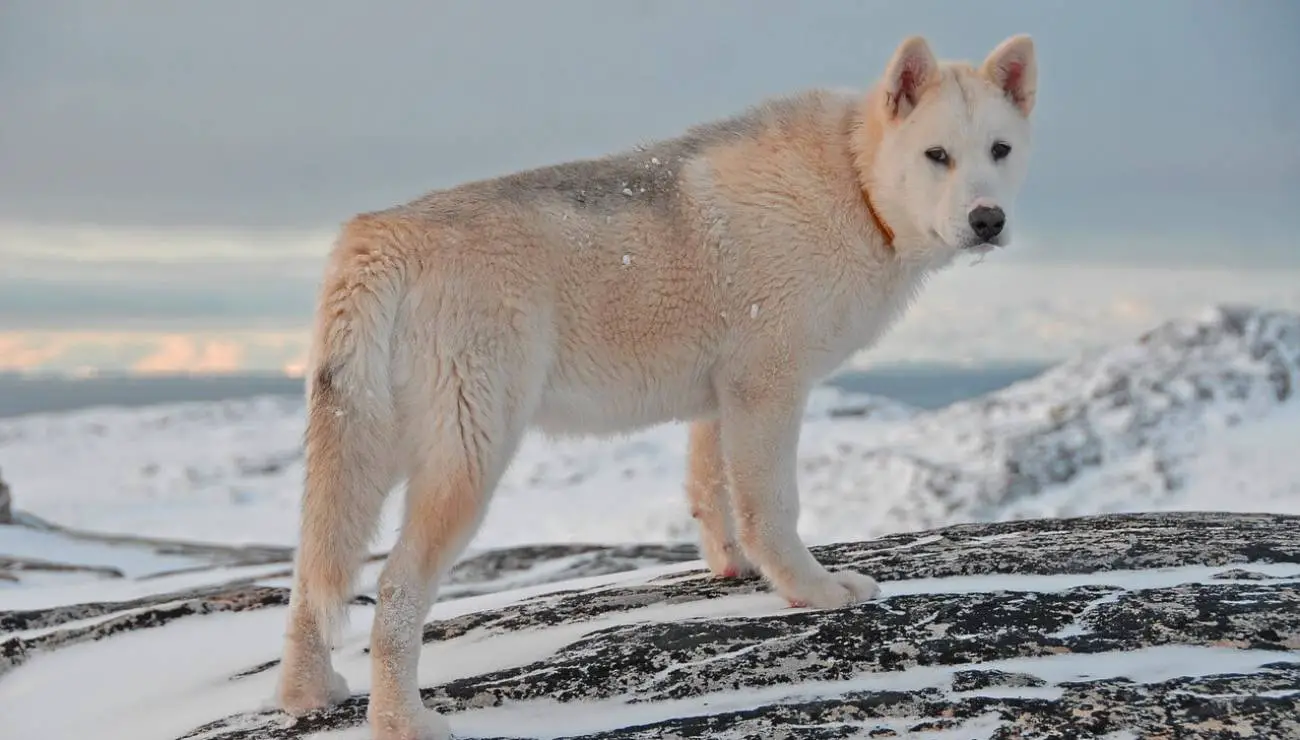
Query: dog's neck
885 232
864 128
863 131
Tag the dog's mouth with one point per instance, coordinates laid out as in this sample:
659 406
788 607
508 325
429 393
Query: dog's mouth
972 245
983 247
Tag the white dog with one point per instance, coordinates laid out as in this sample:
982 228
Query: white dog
712 278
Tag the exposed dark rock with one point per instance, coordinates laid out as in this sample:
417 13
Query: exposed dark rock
122 617
6 503
12 566
1138 624
484 572
214 555
974 680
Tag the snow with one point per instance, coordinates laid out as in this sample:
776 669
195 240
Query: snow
1127 579
30 544
40 595
173 667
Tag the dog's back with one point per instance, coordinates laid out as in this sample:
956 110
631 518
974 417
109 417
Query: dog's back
619 264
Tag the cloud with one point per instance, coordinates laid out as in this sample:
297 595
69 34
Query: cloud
179 354
180 168
293 115
146 351
19 352
116 278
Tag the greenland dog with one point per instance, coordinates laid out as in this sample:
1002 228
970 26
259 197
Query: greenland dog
712 278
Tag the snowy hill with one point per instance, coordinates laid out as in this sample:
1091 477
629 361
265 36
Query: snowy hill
1199 413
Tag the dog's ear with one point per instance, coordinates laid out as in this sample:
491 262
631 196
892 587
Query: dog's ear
910 71
1013 69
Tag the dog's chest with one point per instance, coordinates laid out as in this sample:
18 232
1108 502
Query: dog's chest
855 319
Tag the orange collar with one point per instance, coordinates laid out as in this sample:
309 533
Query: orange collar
885 231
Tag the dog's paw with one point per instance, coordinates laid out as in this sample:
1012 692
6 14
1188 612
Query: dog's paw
422 724
834 590
724 558
299 695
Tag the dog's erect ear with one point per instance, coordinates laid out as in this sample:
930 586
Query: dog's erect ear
910 71
1012 67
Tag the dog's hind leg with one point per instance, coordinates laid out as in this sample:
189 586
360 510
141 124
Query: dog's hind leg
706 490
349 472
350 465
465 427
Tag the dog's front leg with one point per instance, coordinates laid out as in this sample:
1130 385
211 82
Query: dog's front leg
760 439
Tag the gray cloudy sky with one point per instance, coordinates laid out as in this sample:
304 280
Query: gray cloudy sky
1168 131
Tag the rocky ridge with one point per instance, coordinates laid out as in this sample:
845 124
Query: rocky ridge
6 503
1160 625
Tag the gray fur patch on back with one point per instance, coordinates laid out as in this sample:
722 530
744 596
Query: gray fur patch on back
646 175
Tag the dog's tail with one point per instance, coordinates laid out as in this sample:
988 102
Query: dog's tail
350 438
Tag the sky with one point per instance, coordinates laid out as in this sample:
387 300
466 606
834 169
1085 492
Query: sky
171 173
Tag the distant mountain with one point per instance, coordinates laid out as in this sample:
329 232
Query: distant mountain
1131 428
1199 413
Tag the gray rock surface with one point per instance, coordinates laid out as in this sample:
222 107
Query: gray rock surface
6 503
487 572
1160 626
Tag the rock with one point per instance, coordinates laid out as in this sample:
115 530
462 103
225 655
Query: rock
487 572
1137 625
490 571
6 504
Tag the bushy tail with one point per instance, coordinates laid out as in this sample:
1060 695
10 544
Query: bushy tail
349 442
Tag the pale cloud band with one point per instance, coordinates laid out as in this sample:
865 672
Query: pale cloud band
972 314
152 352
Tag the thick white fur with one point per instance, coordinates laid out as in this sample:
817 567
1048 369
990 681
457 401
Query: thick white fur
712 279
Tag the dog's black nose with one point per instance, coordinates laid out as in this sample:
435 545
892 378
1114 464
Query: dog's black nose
987 222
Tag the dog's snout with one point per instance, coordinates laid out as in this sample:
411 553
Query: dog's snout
987 222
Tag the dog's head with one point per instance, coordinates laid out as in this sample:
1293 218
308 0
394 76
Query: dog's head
949 146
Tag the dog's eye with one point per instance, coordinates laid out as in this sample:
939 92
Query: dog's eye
1000 150
937 155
